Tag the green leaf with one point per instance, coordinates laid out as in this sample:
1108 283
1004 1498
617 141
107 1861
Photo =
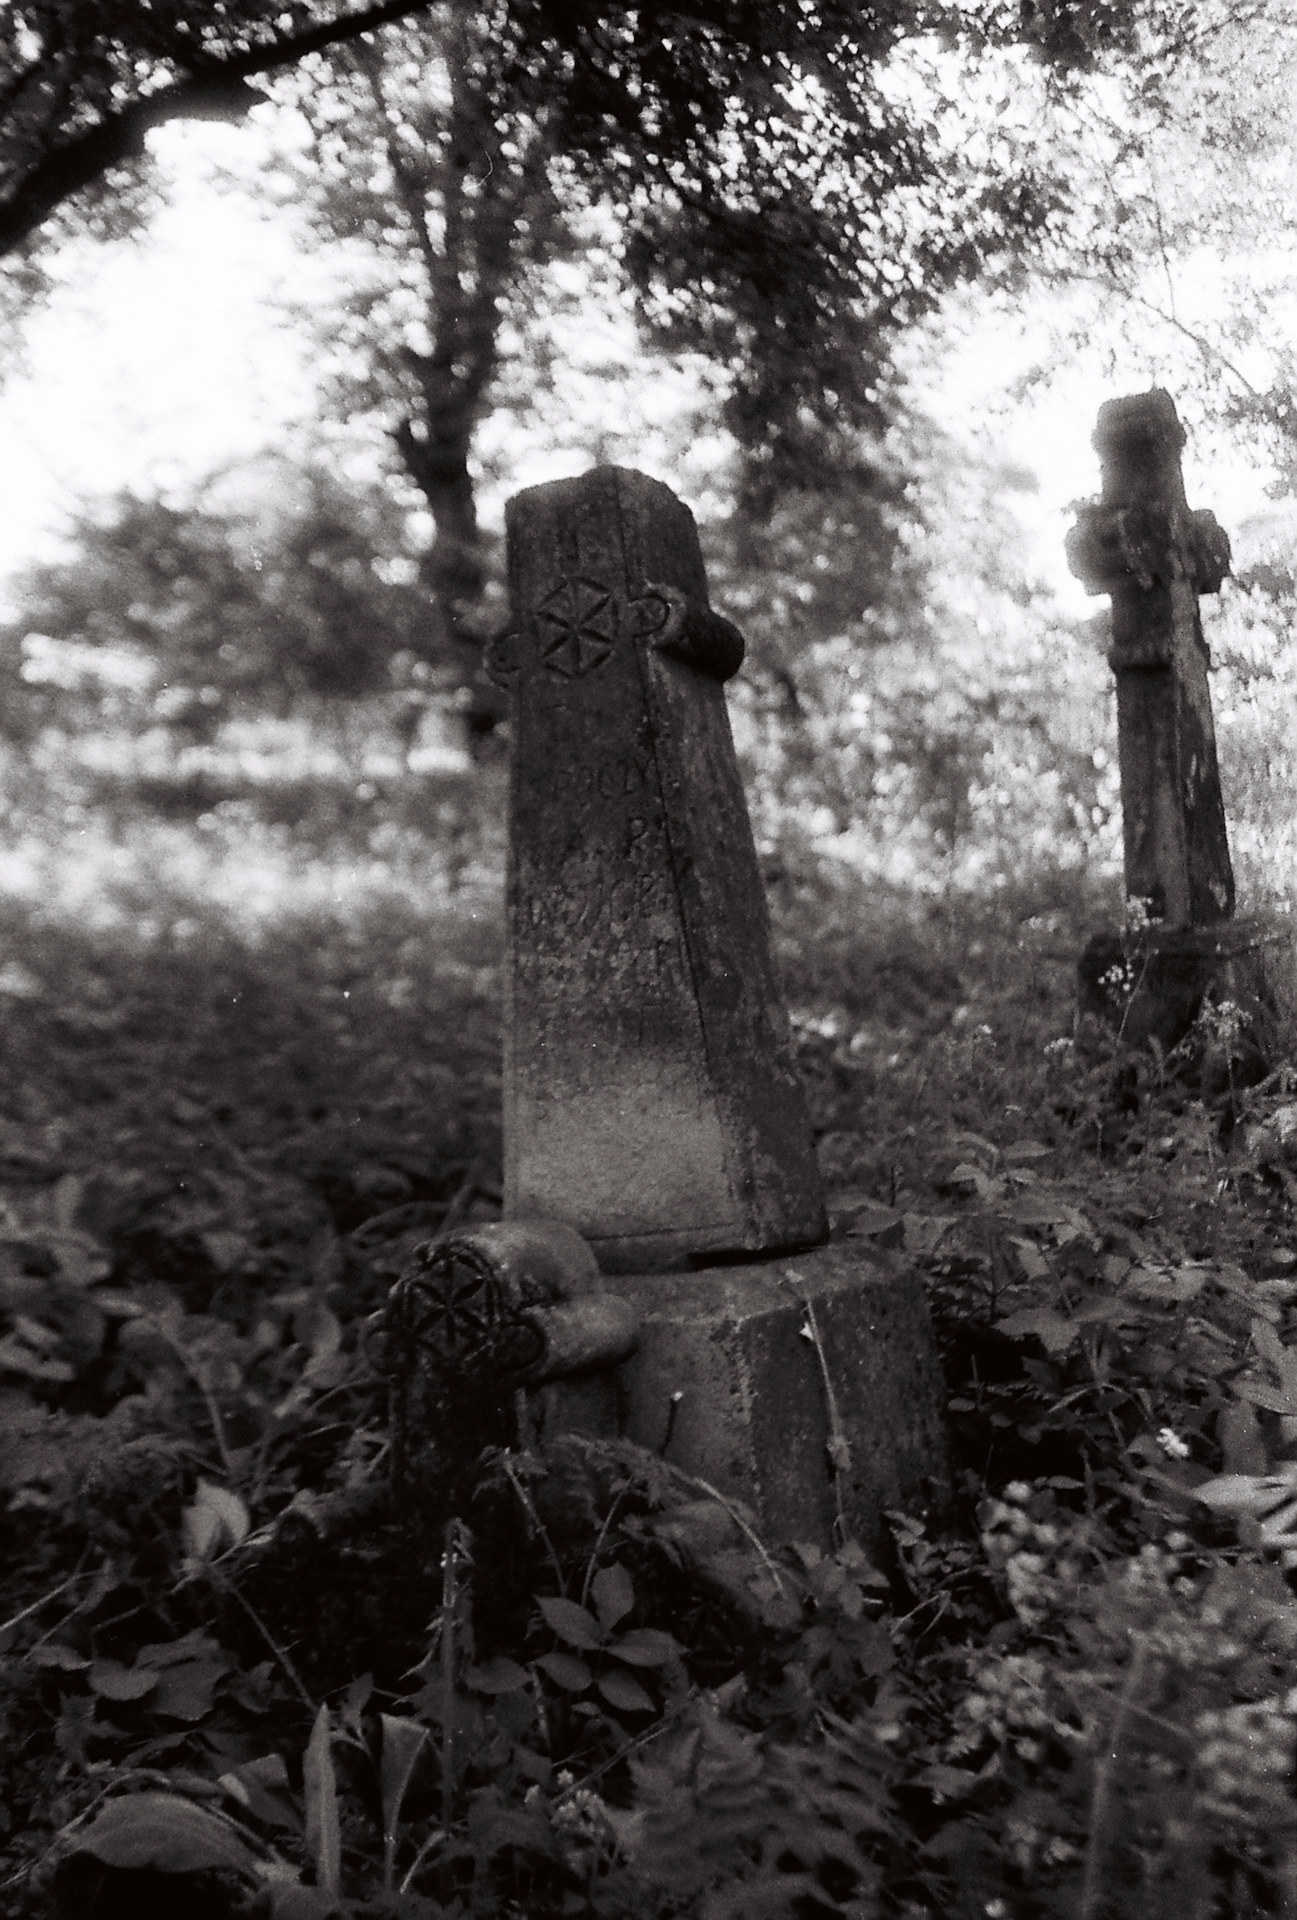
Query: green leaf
318 1329
1239 1432
323 1831
185 1692
256 1785
214 1521
1246 1493
18 1356
1274 1399
112 1681
1182 1283
566 1671
290 1901
627 1695
923 1231
171 1653
355 1703
1030 1258
613 1594
54 1654
1108 1312
498 1675
162 1831
572 1623
403 1742
1268 1344
967 1175
1054 1330
645 1647
81 1260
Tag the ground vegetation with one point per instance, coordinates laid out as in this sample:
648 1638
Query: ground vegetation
251 1047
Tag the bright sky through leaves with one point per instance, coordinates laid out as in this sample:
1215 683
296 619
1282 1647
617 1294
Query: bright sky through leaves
161 361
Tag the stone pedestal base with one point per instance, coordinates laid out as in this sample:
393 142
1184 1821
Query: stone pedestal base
1151 985
752 1414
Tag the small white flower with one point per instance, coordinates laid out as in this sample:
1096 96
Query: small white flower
1171 1444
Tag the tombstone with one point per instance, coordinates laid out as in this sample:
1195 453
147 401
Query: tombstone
651 1095
652 1100
1144 546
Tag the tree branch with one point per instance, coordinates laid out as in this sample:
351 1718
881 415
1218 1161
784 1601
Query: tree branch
412 199
210 89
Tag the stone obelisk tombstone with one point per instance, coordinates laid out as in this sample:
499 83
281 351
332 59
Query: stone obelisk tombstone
651 1095
1144 546
652 1100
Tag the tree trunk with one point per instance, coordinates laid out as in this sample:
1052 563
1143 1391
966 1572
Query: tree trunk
453 569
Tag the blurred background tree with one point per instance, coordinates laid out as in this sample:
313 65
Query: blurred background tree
309 603
1177 260
783 201
783 192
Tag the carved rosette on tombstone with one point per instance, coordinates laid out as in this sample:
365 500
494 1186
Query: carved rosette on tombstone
651 1095
485 1313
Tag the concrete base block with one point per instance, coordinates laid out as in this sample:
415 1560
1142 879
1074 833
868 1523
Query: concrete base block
1152 984
752 1415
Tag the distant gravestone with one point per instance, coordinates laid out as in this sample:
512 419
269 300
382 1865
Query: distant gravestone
651 1097
1143 545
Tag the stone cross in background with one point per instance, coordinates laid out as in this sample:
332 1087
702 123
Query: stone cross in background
1142 544
651 1096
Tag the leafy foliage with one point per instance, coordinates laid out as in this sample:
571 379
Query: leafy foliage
82 85
233 612
1079 1695
1184 181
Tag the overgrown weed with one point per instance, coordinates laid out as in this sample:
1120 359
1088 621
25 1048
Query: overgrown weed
226 1119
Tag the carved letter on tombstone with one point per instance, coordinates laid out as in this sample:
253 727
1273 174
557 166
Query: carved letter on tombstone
651 1096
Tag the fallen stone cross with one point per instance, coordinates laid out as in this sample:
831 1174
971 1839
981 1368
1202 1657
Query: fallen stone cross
652 1104
1143 545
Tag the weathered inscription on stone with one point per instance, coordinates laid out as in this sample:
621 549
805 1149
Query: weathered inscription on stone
651 1097
1141 543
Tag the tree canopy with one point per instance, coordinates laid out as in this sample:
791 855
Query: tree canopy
659 96
1179 257
785 186
81 84
792 182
